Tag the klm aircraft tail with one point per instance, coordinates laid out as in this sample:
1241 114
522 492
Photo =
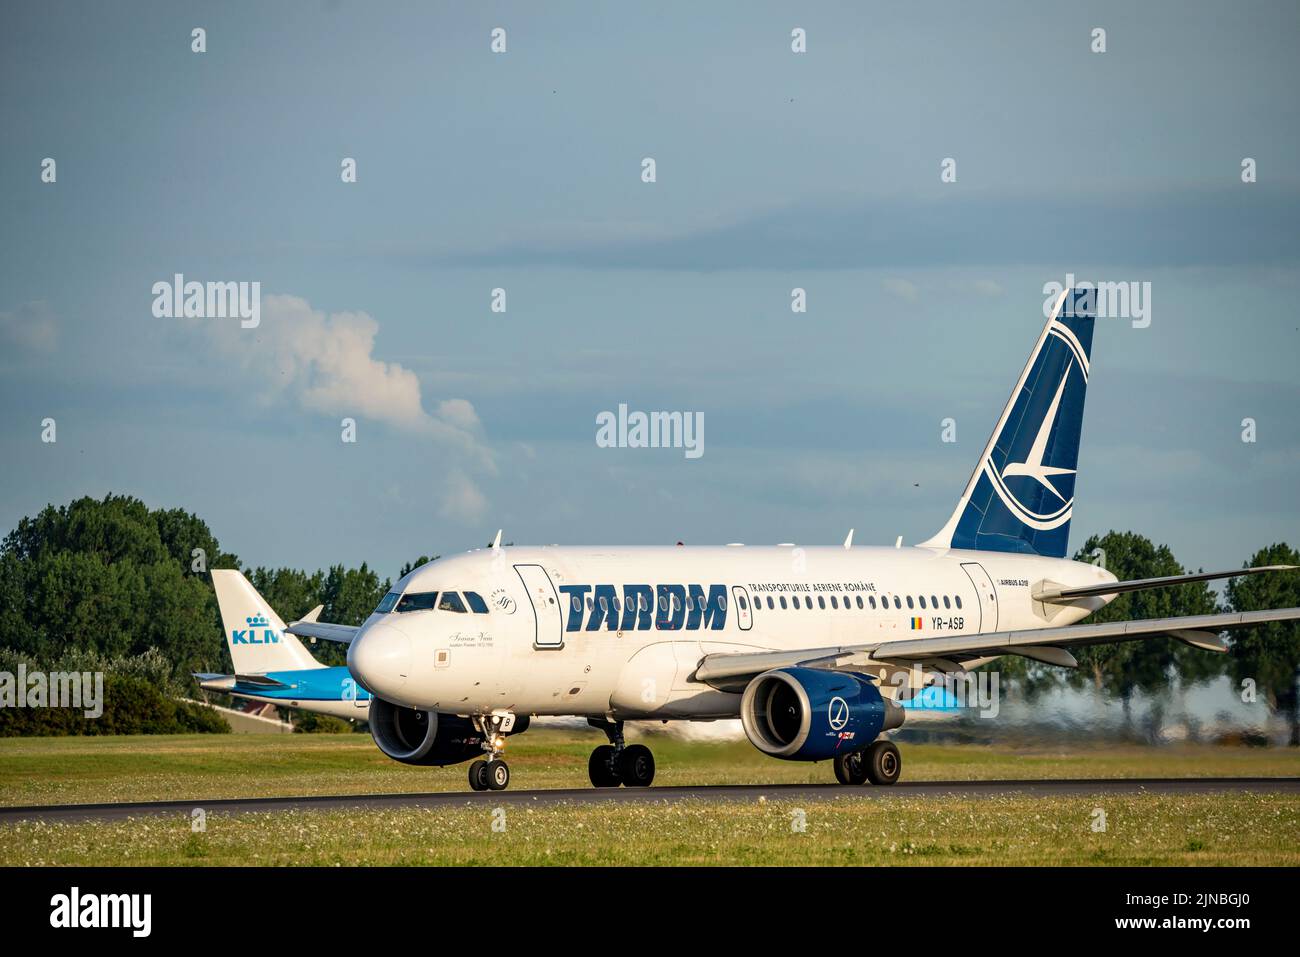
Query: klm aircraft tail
1021 495
254 632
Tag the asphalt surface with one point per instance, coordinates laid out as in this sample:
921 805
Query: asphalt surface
723 792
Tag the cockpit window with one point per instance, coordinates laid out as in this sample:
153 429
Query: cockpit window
451 602
476 603
387 602
418 601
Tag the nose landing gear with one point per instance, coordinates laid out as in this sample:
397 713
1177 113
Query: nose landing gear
492 774
610 765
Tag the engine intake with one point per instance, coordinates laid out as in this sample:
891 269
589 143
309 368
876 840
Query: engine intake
426 737
807 714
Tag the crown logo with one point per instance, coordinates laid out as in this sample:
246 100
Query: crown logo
257 621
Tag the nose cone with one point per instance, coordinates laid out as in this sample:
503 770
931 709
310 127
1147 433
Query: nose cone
380 659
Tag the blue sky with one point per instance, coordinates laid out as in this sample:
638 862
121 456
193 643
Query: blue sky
522 171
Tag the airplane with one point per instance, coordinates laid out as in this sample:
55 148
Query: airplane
273 666
812 648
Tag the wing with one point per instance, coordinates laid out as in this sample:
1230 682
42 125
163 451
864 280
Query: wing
323 630
1060 594
731 672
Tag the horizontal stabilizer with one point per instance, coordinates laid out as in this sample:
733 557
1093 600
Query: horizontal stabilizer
1057 594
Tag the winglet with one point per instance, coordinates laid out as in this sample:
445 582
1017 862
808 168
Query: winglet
848 542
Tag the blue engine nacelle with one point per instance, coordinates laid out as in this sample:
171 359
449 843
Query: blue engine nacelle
806 714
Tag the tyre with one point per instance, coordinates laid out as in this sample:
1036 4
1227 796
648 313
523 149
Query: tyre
478 775
851 768
600 766
883 763
636 766
497 775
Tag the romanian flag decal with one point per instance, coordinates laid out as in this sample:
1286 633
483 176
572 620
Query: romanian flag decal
916 624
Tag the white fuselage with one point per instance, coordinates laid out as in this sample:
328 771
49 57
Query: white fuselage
619 632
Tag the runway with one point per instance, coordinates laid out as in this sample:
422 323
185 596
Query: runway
723 792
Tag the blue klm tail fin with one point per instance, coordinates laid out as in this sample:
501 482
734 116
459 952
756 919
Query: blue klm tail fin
1021 495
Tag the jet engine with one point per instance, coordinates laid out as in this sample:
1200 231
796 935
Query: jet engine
427 737
807 714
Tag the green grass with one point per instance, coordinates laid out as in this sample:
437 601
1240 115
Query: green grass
197 767
846 829
1240 829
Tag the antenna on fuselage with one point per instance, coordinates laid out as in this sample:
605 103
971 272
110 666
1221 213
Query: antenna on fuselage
848 542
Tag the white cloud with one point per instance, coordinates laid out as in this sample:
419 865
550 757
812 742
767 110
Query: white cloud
31 327
902 289
325 363
987 287
461 499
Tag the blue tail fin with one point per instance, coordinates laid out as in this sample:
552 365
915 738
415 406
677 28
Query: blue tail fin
1021 495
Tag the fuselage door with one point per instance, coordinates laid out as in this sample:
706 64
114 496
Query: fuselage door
546 606
740 603
988 597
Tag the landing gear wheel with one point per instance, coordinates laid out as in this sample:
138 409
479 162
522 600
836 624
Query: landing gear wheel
478 775
636 766
497 774
883 763
851 768
601 767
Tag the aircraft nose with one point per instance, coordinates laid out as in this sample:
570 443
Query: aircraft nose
380 658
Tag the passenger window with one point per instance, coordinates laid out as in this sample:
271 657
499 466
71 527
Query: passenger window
451 602
934 602
769 602
897 603
418 601
821 602
690 602
722 603
577 605
387 602
835 602
909 601
743 605
922 601
957 599
946 602
782 601
873 602
476 603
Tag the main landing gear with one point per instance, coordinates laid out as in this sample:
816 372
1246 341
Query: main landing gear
878 763
617 763
492 774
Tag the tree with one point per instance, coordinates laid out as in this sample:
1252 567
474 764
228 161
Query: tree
351 594
1269 654
412 566
1148 664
